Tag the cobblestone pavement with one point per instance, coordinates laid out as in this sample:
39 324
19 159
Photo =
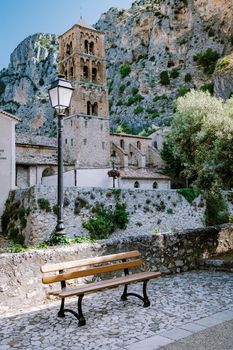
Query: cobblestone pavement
113 324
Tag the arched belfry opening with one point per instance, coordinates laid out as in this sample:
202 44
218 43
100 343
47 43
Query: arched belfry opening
88 108
86 46
85 72
95 109
91 48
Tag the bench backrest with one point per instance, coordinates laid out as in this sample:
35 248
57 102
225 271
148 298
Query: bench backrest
102 263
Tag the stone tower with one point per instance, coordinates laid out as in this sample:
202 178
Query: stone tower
86 129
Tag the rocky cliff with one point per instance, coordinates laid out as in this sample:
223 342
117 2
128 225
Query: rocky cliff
156 51
24 84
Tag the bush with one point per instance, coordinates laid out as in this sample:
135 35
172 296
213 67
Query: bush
164 78
120 216
138 110
189 193
175 73
183 91
188 78
207 60
134 91
216 209
125 70
122 89
44 204
208 87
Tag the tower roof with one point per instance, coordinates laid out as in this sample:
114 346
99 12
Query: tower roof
82 23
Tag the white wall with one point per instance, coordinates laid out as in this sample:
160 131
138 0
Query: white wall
84 178
145 184
7 159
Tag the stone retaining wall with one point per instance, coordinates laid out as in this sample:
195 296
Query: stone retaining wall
20 274
150 211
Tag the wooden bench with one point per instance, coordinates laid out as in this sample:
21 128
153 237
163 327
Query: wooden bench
92 267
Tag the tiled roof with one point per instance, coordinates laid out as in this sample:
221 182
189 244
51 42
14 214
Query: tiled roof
142 174
9 115
35 140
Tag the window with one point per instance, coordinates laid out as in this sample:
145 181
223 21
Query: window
66 141
94 74
95 109
71 123
91 48
155 185
86 46
139 145
85 142
155 145
85 72
136 184
122 144
72 142
71 72
85 123
68 49
88 108
131 154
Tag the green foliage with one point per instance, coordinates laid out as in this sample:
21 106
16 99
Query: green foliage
173 162
169 211
125 70
138 110
41 82
110 86
122 88
57 239
83 239
134 91
106 221
44 204
174 73
164 78
183 91
16 248
188 78
189 193
130 101
124 128
208 87
15 236
159 98
148 131
207 60
216 209
2 87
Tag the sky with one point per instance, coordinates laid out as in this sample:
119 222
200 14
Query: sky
21 18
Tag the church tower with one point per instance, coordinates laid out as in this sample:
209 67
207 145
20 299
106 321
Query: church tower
86 129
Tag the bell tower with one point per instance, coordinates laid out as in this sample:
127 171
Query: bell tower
86 129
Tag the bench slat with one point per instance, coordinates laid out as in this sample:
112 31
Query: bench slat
98 286
91 261
90 272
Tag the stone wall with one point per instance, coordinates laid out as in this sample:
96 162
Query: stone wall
168 252
150 211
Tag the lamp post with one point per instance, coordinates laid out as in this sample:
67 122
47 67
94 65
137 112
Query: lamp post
113 160
60 94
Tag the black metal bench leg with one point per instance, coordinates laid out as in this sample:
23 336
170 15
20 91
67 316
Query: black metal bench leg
81 318
124 295
61 311
146 299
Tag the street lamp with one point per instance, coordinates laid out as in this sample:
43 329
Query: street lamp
60 94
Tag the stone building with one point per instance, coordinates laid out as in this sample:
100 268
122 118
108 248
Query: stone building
7 156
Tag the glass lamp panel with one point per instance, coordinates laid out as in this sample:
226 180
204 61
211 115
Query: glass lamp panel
53 94
64 96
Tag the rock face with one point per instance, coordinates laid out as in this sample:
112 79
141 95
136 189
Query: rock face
150 51
24 84
160 36
223 77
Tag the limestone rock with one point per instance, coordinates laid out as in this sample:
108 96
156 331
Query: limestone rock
223 77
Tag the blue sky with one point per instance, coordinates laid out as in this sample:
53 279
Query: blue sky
21 18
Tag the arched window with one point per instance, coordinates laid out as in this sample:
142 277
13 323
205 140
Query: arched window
71 72
85 72
122 144
88 108
68 49
136 184
71 48
91 48
139 145
94 74
155 185
66 74
48 172
86 46
95 109
155 145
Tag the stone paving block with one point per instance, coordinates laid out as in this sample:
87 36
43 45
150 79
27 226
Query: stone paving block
193 327
176 334
209 321
226 315
150 343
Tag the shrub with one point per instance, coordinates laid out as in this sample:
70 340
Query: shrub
122 88
216 210
169 211
183 91
208 87
189 193
125 70
188 78
138 110
174 73
44 204
164 78
207 60
134 91
2 87
101 226
130 101
41 82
